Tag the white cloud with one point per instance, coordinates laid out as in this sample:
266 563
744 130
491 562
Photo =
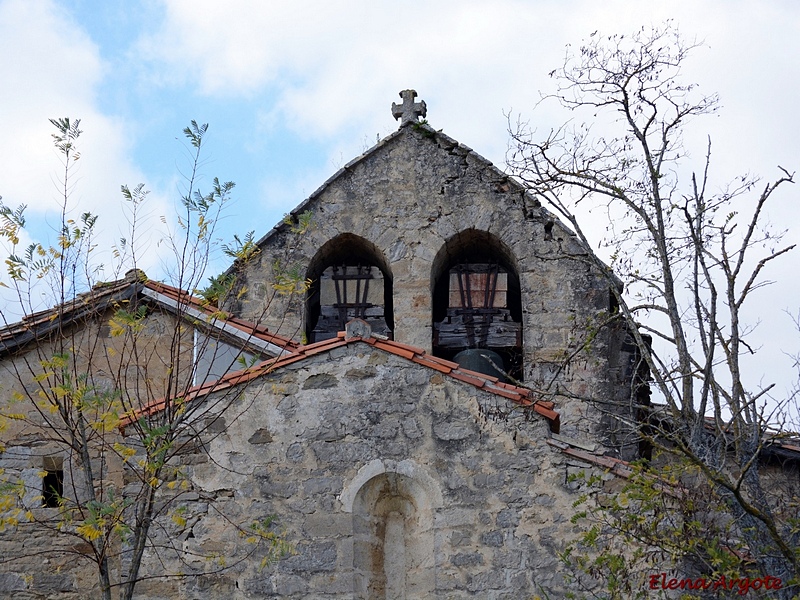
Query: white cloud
52 69
49 68
333 66
328 71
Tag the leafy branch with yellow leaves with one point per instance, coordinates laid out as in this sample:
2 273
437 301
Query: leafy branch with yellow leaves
107 356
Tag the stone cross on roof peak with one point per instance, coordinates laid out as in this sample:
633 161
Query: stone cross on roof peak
409 111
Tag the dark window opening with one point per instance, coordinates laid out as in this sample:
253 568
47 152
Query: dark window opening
613 304
477 303
52 483
349 280
639 410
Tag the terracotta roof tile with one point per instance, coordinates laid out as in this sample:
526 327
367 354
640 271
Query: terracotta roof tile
287 360
323 346
509 386
463 376
445 363
516 396
488 383
395 349
494 380
225 382
426 361
550 414
410 348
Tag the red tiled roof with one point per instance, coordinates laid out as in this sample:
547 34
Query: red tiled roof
14 336
614 465
519 395
103 295
254 329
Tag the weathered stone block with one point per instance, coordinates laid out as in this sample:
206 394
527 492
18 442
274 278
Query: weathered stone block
312 557
365 373
53 582
16 457
289 585
260 586
507 518
261 436
295 452
467 559
492 539
12 582
485 581
320 382
269 485
328 525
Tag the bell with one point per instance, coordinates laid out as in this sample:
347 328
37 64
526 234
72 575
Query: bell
483 361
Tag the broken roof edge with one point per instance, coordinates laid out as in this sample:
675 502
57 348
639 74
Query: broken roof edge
625 469
782 445
519 395
615 466
40 324
248 332
103 295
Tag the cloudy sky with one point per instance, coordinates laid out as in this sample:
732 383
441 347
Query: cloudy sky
293 90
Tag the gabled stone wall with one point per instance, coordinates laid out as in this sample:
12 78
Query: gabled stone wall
414 200
387 477
390 479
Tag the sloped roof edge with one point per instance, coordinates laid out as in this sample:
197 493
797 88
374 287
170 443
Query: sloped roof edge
247 332
38 325
325 184
15 336
449 144
520 396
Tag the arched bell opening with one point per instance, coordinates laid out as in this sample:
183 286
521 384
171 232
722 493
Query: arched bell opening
350 279
477 304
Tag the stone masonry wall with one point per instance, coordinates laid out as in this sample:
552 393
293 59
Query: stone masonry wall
36 561
412 198
339 445
389 479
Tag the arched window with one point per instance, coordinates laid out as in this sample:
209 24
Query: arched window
350 279
477 304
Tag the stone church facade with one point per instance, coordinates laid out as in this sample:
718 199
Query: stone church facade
417 438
